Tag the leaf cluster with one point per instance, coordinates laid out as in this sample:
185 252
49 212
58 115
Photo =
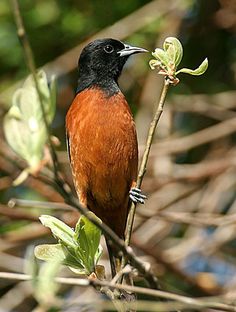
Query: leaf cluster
24 125
78 249
168 59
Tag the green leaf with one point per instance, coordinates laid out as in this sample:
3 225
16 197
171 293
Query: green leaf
31 265
174 50
168 58
79 271
161 56
154 63
29 86
24 126
98 254
50 252
88 237
22 140
14 112
46 287
79 250
196 72
60 230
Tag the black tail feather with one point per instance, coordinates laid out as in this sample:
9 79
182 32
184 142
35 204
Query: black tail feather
114 259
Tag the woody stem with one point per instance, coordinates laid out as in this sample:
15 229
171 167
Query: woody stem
144 161
29 59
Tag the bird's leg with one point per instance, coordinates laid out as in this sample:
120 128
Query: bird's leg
136 196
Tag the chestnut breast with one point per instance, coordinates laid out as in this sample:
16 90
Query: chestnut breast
103 148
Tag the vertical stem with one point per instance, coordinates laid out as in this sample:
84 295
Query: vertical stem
143 165
29 59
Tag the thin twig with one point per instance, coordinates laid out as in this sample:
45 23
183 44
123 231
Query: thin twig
29 59
154 306
142 170
126 270
203 302
16 214
143 165
25 203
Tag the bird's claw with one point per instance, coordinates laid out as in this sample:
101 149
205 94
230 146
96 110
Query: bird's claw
136 196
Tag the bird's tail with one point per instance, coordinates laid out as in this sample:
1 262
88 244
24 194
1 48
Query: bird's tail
115 259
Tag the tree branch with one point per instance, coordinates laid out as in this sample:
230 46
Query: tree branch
29 59
198 303
143 165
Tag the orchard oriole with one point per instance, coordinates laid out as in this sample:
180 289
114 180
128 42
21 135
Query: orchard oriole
101 134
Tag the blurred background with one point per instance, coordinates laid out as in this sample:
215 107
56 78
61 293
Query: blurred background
187 227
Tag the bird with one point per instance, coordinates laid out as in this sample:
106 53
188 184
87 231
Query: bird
101 136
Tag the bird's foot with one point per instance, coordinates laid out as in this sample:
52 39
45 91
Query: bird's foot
136 196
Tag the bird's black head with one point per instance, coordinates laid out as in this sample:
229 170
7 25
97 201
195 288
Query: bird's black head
101 63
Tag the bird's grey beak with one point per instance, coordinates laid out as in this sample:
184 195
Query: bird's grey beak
129 50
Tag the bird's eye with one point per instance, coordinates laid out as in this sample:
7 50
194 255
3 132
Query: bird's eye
108 48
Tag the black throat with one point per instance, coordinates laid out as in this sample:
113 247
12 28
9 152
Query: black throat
88 80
